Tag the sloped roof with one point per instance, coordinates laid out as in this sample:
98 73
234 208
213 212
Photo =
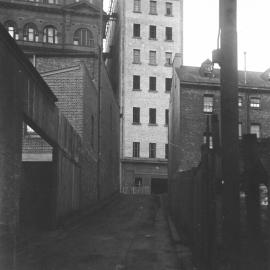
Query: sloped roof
191 74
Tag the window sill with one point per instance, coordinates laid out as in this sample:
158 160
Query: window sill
152 13
135 11
137 37
137 90
152 125
136 124
169 15
208 112
168 40
150 64
152 91
137 63
154 39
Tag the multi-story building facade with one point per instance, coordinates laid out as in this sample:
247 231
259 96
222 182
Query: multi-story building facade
196 95
147 35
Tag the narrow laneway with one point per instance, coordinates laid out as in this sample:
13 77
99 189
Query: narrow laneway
130 233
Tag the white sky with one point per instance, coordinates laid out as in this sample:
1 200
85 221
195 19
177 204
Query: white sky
201 29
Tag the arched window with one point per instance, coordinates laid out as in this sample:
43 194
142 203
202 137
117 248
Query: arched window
83 37
50 35
12 29
30 32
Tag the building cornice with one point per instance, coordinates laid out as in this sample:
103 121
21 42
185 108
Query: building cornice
49 8
216 86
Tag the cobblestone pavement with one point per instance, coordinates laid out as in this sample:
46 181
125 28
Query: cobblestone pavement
131 233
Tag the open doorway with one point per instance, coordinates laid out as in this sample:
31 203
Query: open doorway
37 184
159 185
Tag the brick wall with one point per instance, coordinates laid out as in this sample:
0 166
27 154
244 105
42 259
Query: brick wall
110 130
188 121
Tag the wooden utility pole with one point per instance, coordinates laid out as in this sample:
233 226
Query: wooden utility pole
229 131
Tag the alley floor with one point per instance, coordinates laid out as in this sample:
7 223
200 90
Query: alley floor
131 233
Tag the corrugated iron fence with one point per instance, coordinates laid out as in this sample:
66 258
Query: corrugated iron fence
193 208
194 202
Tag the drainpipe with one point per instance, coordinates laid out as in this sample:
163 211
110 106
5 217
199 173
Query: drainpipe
34 60
100 41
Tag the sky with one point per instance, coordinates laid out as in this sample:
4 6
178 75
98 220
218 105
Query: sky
201 30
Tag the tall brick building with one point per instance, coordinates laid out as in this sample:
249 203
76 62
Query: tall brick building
142 42
62 38
196 94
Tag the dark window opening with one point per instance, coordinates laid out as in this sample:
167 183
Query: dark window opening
168 84
152 83
168 33
152 116
136 115
152 32
152 150
138 182
136 30
136 82
136 149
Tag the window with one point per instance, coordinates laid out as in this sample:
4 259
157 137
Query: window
136 82
153 7
138 182
83 37
166 151
168 33
240 134
136 115
12 29
136 30
255 102
208 103
152 83
30 32
136 149
208 139
168 59
168 9
136 56
152 58
256 129
152 116
168 84
240 101
152 150
50 35
137 6
166 117
152 32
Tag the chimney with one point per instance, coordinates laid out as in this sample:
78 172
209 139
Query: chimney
177 61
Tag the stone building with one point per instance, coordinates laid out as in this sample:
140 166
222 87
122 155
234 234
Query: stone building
142 42
196 94
62 40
